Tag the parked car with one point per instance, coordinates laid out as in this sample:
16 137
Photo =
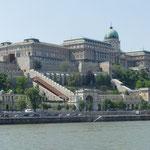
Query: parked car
17 115
67 115
6 115
29 110
1 115
137 112
60 115
80 114
26 115
34 115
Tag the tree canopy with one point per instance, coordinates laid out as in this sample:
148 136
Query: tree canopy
5 82
21 104
21 85
74 79
107 104
37 65
81 105
103 80
90 78
143 104
65 66
34 97
131 78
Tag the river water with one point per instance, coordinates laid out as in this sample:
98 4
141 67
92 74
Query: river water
133 135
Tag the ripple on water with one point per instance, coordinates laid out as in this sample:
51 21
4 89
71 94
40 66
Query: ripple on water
76 136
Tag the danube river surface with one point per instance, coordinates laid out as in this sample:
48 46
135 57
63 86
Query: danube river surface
77 136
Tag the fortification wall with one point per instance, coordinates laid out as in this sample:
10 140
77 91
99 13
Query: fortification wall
50 64
119 85
47 94
106 67
59 87
24 63
7 66
88 66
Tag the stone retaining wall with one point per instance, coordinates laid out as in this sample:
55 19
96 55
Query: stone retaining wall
30 120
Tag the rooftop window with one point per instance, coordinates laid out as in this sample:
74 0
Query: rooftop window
32 40
6 43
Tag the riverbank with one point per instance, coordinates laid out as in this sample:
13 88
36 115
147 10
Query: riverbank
55 119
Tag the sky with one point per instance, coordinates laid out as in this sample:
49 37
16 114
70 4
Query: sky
54 21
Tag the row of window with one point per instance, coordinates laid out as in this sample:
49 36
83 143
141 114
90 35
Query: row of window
88 46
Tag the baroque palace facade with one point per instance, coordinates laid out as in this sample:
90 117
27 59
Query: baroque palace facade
83 53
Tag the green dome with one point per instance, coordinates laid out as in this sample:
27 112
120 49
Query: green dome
2 91
11 92
111 34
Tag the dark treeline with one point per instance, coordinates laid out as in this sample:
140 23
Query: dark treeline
75 79
131 78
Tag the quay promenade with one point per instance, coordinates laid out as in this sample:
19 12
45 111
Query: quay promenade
72 119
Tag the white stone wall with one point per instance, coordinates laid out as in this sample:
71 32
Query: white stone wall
119 85
23 63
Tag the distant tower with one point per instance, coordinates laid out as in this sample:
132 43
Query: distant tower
112 37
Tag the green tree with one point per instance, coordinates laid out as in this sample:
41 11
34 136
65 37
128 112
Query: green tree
53 107
143 104
140 84
1 101
117 72
107 104
115 92
148 106
65 66
90 78
45 106
58 107
120 104
5 82
98 107
67 107
10 107
73 107
103 80
135 107
126 92
107 80
21 85
100 80
34 97
21 104
81 105
143 75
37 65
74 79
147 83
89 107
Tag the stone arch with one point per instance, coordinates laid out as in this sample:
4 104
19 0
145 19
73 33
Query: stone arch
89 100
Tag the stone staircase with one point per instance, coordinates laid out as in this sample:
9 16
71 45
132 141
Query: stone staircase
120 86
51 86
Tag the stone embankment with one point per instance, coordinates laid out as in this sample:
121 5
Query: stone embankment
73 119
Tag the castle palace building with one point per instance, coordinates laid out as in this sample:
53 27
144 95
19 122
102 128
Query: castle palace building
83 54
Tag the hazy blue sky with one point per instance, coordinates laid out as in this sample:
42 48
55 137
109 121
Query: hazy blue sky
56 20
